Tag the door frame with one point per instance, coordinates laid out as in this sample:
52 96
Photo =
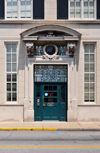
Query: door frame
29 85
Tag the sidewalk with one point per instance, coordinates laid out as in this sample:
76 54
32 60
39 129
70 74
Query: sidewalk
51 126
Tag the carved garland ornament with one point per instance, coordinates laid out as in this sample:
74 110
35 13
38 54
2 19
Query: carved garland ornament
50 52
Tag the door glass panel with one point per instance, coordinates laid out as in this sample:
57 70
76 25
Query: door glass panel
38 93
62 94
50 94
50 100
55 94
46 88
50 88
45 100
55 88
55 100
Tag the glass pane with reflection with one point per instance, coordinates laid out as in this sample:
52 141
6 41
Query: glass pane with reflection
14 96
8 96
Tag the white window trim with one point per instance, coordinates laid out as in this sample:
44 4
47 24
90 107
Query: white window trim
10 102
95 50
18 18
82 16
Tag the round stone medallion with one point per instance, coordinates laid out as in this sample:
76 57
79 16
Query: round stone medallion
50 50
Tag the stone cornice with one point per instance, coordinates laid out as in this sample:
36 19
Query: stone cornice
49 21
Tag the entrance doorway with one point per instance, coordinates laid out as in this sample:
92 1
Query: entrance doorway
50 102
50 98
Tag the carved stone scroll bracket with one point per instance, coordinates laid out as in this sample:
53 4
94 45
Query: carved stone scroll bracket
30 49
71 47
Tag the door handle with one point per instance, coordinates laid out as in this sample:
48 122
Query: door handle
43 104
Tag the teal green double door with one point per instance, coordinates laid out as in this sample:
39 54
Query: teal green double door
50 101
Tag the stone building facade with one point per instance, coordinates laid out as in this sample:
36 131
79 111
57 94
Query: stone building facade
49 60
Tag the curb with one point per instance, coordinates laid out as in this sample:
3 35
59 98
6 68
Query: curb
46 129
27 129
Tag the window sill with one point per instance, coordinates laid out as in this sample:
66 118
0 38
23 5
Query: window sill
11 104
88 104
84 19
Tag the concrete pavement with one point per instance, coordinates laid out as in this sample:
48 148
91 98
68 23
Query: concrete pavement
49 141
51 126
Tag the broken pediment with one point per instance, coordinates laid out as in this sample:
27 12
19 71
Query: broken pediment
50 33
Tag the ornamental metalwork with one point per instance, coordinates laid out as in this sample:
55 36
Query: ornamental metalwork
39 50
62 50
50 73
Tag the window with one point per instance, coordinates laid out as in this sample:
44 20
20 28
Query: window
75 8
11 72
19 9
82 9
25 9
12 8
89 72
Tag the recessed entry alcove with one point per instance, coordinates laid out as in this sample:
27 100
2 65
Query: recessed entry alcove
50 55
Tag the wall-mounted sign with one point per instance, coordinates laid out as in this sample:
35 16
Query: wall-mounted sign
50 104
